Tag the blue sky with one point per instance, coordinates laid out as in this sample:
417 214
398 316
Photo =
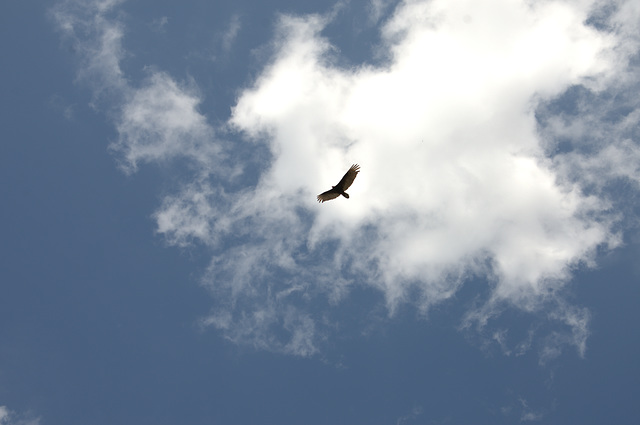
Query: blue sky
165 260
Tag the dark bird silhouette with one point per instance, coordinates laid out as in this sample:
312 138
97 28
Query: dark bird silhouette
343 185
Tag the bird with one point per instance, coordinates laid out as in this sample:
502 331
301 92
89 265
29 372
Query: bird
342 185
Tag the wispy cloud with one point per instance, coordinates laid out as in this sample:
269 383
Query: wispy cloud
158 119
528 414
8 417
61 105
231 32
97 40
521 407
377 9
159 24
415 413
223 41
455 135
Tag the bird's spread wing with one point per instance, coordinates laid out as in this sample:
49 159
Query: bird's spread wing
348 178
328 195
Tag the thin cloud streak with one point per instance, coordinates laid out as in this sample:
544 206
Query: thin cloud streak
229 36
460 181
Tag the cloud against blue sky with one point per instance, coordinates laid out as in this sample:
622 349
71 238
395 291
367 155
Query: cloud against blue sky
469 176
7 417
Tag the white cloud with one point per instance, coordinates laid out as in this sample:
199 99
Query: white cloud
159 121
8 417
458 179
454 182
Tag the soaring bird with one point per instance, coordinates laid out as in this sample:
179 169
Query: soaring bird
342 185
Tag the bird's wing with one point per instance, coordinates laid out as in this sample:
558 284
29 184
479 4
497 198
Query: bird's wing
328 195
349 177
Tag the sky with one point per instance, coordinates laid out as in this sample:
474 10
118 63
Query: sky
165 261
